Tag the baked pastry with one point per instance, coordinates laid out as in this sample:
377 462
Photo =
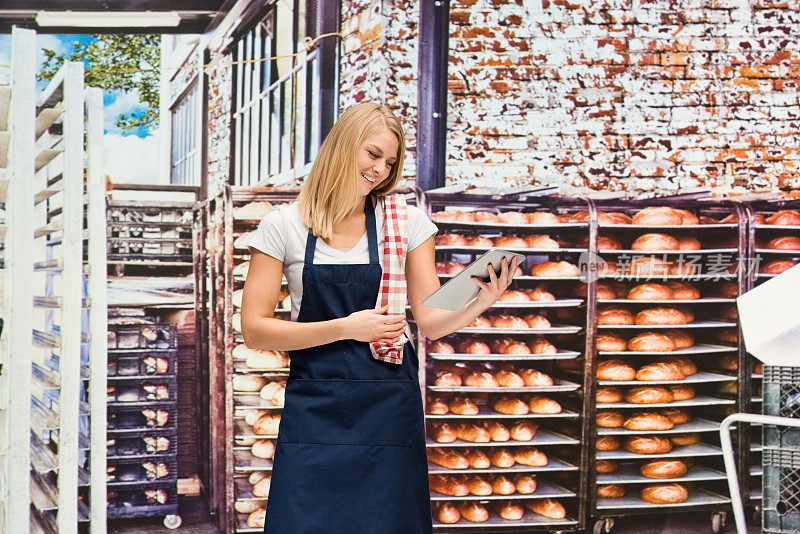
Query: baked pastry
478 485
611 491
607 443
510 406
507 345
539 295
543 405
728 335
472 346
648 395
609 315
536 321
661 316
648 421
619 218
651 342
257 518
248 383
677 415
249 506
683 290
497 431
541 242
511 295
647 445
439 347
547 508
664 494
609 419
512 217
509 379
463 406
615 370
523 431
447 485
507 321
481 322
784 218
552 268
506 241
581 216
681 338
610 343
729 362
451 240
477 459
443 433
606 466
449 267
473 511
263 448
681 393
530 456
686 365
609 394
785 243
447 379
650 292
657 371
525 484
267 425
483 379
484 217
472 433
648 266
687 242
540 345
503 458
541 217
479 241
605 291
534 378
777 266
657 215
655 242
663 469
501 485
687 217
447 513
681 440
261 486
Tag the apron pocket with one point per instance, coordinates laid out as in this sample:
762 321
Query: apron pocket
315 411
382 412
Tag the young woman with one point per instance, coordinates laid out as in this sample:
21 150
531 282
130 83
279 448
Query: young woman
350 455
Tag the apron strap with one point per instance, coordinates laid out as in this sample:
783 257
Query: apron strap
372 236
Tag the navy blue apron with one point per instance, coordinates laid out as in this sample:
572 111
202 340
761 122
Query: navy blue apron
350 456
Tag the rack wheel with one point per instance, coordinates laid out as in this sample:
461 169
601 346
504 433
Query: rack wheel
718 522
603 526
172 521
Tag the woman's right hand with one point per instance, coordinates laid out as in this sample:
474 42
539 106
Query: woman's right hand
374 325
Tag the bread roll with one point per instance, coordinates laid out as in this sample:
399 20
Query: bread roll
615 370
777 266
444 433
450 240
536 321
644 266
607 443
448 485
507 345
657 215
479 241
261 488
647 445
541 242
473 511
463 406
267 425
677 415
785 243
686 365
687 218
687 242
530 456
477 459
540 345
609 394
541 217
534 378
651 342
510 406
471 346
543 405
606 466
729 362
683 290
609 419
605 291
449 458
437 406
648 395
539 295
619 218
447 379
681 393
660 371
611 491
477 379
248 383
784 218
610 343
523 431
525 484
439 347
263 448
655 242
681 440
510 295
257 518
497 432
478 485
560 268
608 315
502 458
547 508
648 422
581 216
681 338
472 433
728 335
650 292
509 379
663 469
509 242
664 494
660 316
249 506
447 513
501 485
485 217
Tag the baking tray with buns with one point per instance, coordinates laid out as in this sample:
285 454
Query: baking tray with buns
553 465
544 490
628 473
698 498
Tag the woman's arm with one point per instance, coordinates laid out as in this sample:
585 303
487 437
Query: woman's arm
422 281
261 330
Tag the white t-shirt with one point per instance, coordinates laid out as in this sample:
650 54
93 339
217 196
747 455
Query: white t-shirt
282 235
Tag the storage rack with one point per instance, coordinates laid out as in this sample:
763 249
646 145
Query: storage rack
560 434
768 473
705 478
142 356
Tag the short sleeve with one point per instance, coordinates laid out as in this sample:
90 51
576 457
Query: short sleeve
420 227
270 236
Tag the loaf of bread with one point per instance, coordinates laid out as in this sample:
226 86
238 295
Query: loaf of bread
687 366
472 433
609 419
436 406
681 393
784 218
261 488
540 345
610 491
510 406
777 266
263 448
497 431
648 395
267 425
658 215
677 415
650 292
729 362
552 268
473 346
248 383
543 405
663 469
682 339
614 316
664 494
681 440
473 511
448 485
651 342
683 290
524 484
647 445
257 518
530 456
506 241
478 485
507 321
502 485
249 506
477 459
480 380
610 343
541 217
479 241
509 379
607 443
609 394
443 433
660 371
523 431
785 243
606 466
447 513
687 217
508 345
541 242
439 347
648 266
547 508
648 421
502 458
447 379
615 370
661 316
463 406
655 241
450 240
449 458
534 378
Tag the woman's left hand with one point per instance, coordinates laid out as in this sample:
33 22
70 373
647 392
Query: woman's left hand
494 287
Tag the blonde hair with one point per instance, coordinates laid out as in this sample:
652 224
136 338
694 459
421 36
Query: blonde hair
331 190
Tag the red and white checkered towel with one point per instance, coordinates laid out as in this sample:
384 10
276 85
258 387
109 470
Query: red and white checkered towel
393 281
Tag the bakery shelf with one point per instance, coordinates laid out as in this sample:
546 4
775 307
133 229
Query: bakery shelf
544 490
244 491
558 386
560 355
555 329
756 470
642 278
253 400
240 367
782 227
243 430
703 300
698 449
700 400
629 474
697 497
756 446
662 227
695 425
700 377
755 494
696 324
632 252
553 464
529 278
542 437
558 303
508 226
241 525
521 250
529 520
784 252
247 463
700 348
487 413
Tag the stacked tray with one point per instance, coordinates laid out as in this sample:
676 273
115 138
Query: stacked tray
149 233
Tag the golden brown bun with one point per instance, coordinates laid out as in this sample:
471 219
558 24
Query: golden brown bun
512 217
727 289
477 459
607 443
547 508
608 315
611 491
439 347
784 217
525 484
663 469
502 458
505 241
660 371
551 268
650 292
248 383
534 378
681 440
507 345
472 433
777 266
471 346
530 456
687 217
448 458
267 425
604 291
664 494
580 216
536 321
655 242
681 393
543 405
687 242
479 241
510 406
444 433
657 216
651 342
249 506
510 295
606 466
681 338
609 394
683 290
450 240
263 448
610 342
523 431
507 321
509 379
437 406
449 267
463 406
447 513
477 485
648 421
676 415
480 322
257 518
541 217
538 294
497 431
619 218
648 266
541 242
604 242
448 485
502 485
485 216
661 316
447 379
480 380
615 370
686 365
785 243
647 445
542 346
729 362
609 419
648 395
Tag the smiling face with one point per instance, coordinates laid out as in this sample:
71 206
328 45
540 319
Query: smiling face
375 158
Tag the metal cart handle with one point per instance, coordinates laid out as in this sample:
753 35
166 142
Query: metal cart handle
727 455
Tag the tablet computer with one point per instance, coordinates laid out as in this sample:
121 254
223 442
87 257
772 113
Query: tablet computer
459 290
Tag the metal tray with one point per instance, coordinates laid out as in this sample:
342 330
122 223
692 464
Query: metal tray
558 385
652 252
247 463
697 497
252 400
629 474
240 367
521 250
555 329
527 277
244 491
544 489
700 348
700 400
553 464
560 355
487 413
777 252
542 437
656 227
786 227
529 520
243 430
695 425
696 324
703 300
558 303
507 226
700 377
698 449
650 277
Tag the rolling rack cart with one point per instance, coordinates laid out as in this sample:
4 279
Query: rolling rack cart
714 349
142 462
553 348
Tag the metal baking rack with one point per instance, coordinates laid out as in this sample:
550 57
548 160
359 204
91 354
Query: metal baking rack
560 434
